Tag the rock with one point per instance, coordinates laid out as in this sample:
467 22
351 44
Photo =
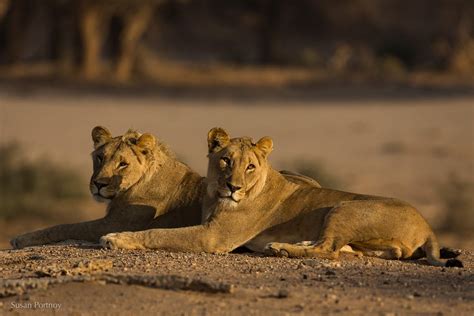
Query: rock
331 297
310 263
283 293
36 256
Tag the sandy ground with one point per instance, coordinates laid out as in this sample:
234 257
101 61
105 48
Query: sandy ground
82 280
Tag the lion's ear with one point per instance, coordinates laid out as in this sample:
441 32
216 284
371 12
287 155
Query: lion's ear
217 138
146 141
265 144
100 136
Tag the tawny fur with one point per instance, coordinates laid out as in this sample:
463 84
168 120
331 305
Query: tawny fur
155 190
249 203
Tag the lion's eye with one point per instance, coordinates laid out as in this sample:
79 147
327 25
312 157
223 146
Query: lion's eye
251 167
226 160
99 158
122 165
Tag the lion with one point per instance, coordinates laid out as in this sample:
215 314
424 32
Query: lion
144 185
248 203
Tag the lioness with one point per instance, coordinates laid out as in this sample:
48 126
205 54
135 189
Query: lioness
249 203
144 185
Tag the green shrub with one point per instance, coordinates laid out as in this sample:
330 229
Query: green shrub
457 196
34 187
315 169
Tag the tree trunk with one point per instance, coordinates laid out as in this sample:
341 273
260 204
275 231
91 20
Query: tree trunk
134 27
91 23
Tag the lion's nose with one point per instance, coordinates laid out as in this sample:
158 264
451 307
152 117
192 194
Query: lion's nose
232 187
100 183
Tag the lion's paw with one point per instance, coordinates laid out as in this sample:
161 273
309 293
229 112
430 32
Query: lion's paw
276 249
15 243
126 240
21 241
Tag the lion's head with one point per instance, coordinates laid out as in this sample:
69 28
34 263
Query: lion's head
119 162
237 167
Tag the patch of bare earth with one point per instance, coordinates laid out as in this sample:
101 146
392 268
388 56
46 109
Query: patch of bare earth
79 278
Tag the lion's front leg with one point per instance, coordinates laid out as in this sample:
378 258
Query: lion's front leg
89 231
25 240
125 240
304 249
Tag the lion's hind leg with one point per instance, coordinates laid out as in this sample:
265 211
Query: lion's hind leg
384 249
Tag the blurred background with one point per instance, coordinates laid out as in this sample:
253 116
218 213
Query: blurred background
364 95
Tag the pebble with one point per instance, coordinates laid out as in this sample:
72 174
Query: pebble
309 263
283 293
332 297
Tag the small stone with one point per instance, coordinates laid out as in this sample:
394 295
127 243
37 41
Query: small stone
309 262
36 256
331 297
299 307
410 297
283 293
99 282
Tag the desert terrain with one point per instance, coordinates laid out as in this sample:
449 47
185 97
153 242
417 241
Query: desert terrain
81 279
408 146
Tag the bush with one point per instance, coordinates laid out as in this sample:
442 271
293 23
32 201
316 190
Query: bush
457 196
34 187
316 170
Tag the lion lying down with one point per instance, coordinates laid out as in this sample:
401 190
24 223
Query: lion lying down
145 187
249 203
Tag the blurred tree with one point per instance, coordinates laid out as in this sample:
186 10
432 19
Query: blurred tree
4 7
16 24
341 36
269 11
94 21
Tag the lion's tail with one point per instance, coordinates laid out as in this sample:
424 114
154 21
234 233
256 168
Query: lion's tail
431 249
